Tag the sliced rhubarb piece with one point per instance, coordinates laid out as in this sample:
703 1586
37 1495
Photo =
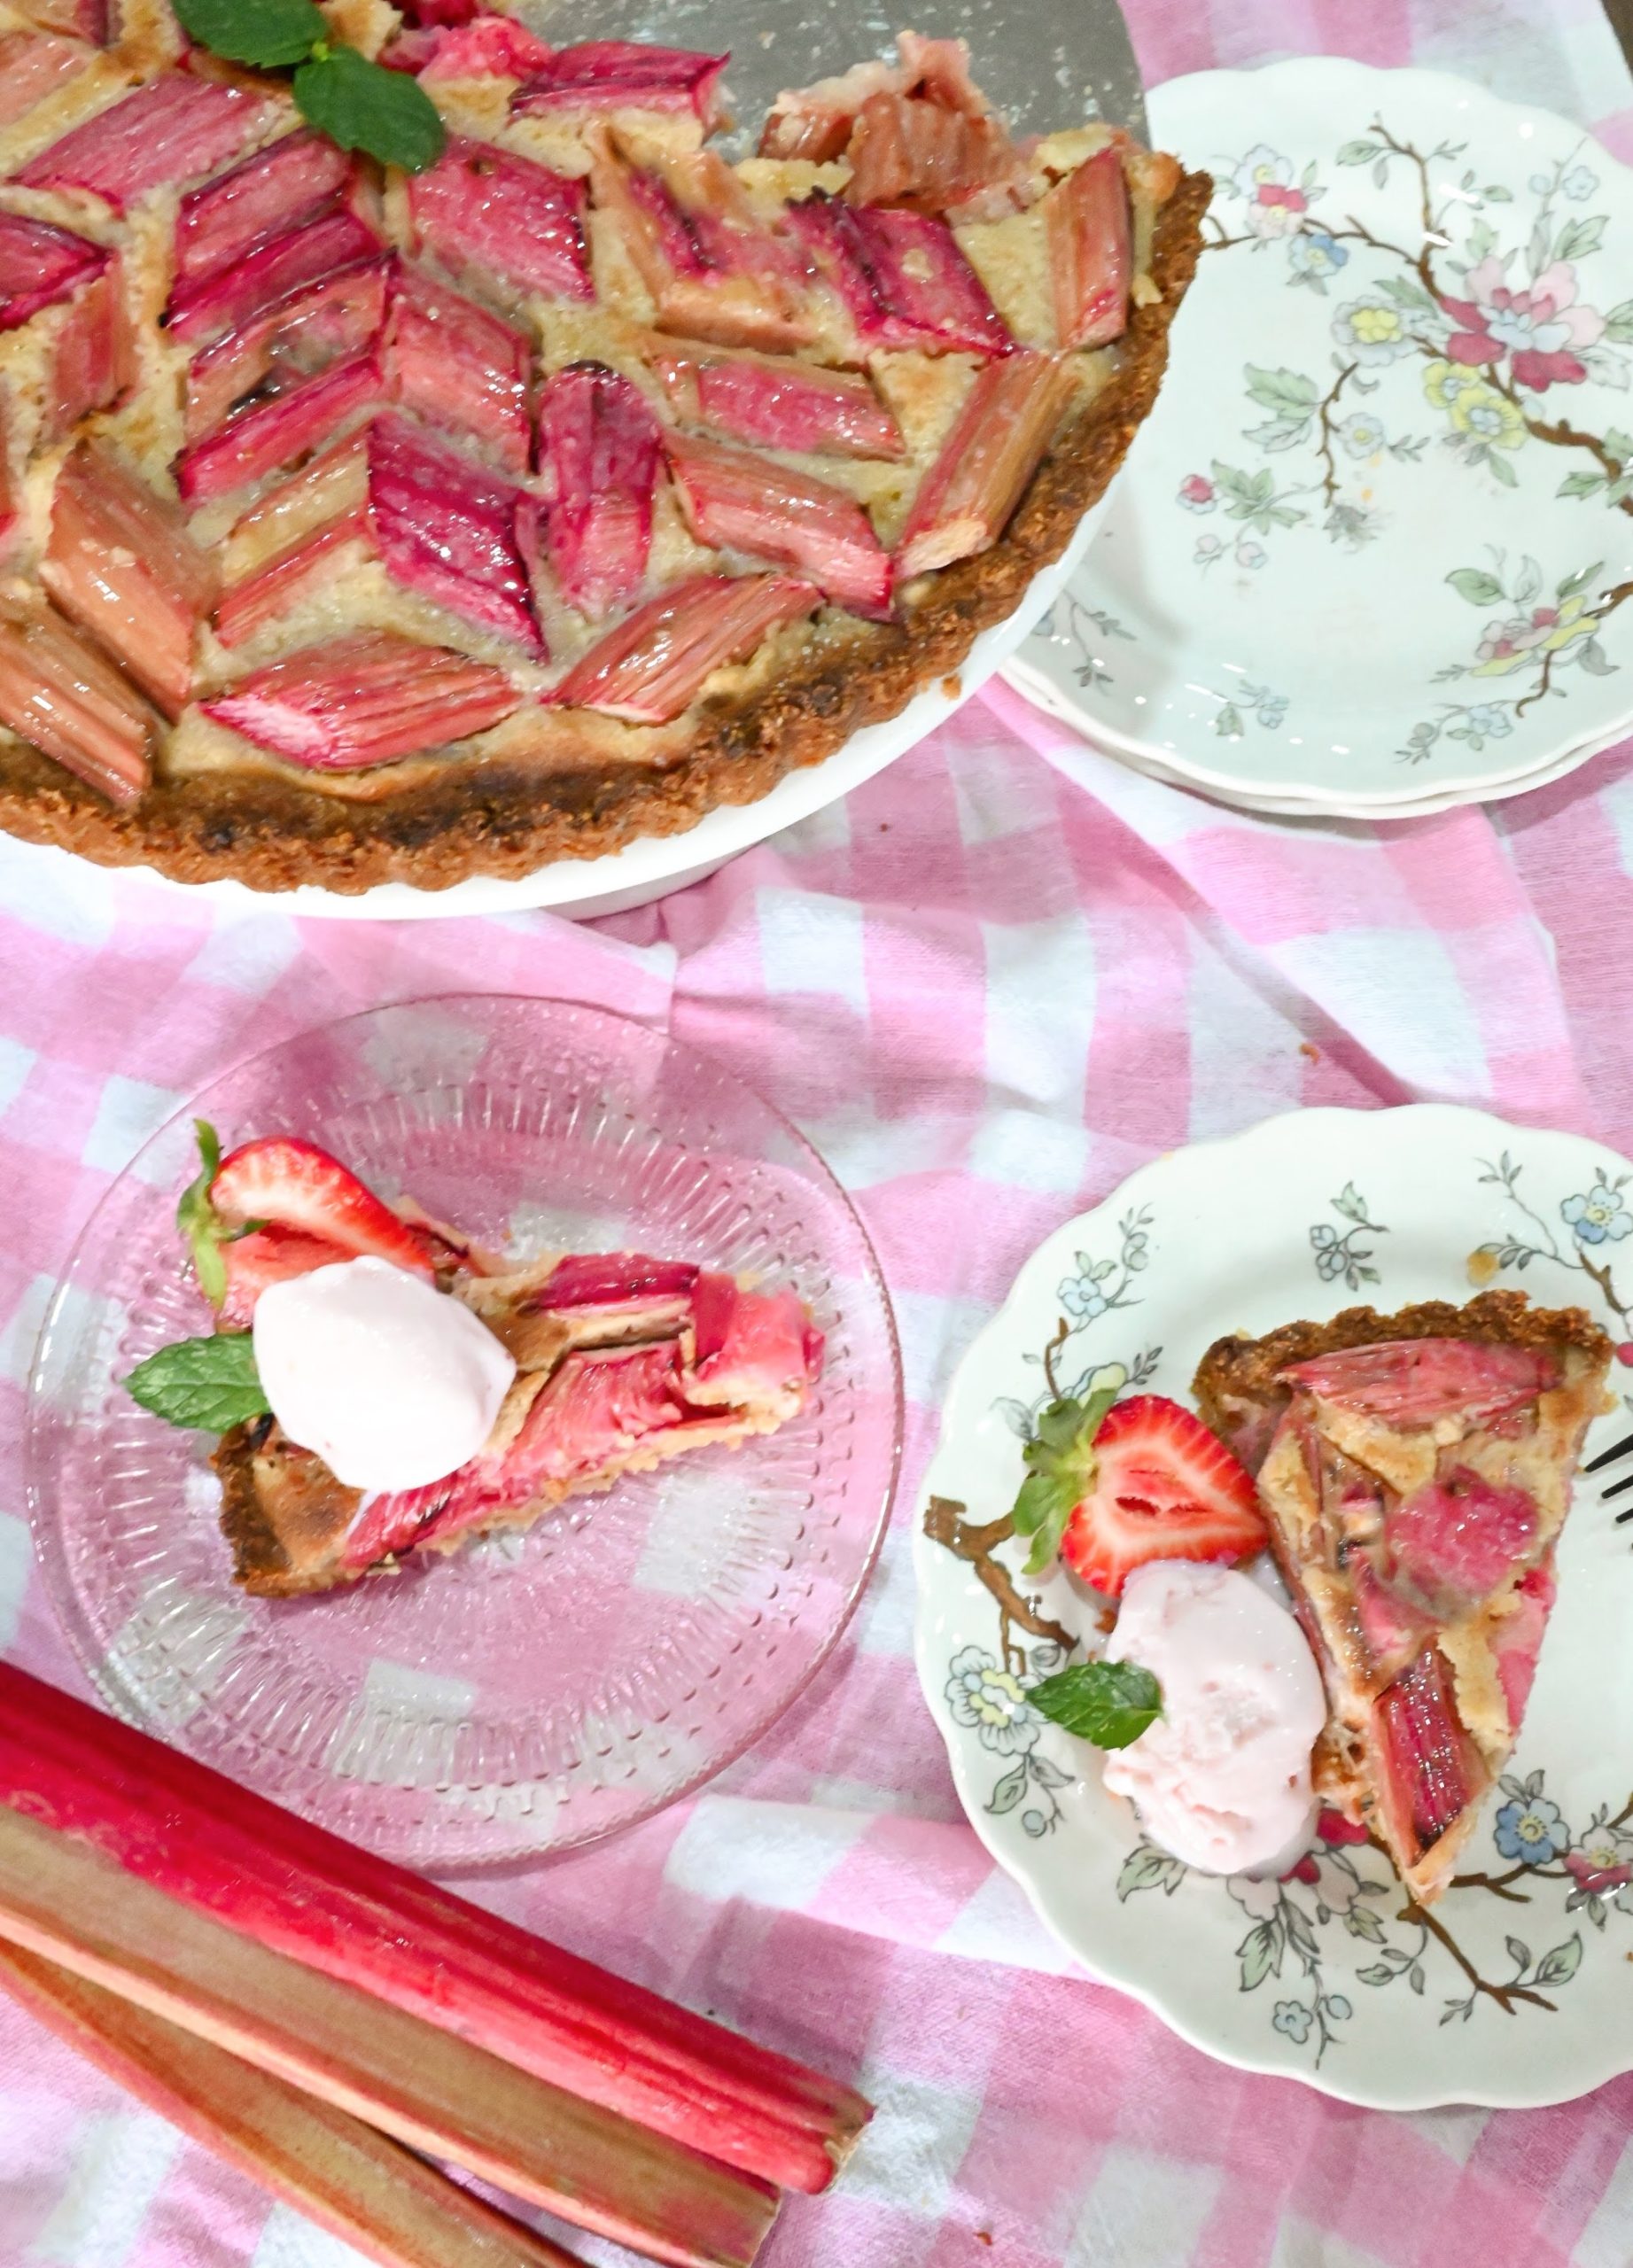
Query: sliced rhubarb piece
615 1282
902 278
299 335
449 531
40 265
735 501
460 367
1435 1772
34 65
1413 1382
121 564
908 151
304 1893
713 268
223 300
598 453
487 47
815 123
280 187
1091 254
1456 1538
613 74
485 208
435 13
364 2189
654 664
69 1903
95 359
997 441
270 1255
173 130
776 400
59 692
265 435
367 699
754 1349
280 1181
86 20
1517 1639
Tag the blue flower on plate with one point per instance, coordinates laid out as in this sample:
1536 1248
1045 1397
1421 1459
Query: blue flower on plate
1294 2019
1532 1831
1488 720
1579 184
1600 1217
1317 254
1082 1298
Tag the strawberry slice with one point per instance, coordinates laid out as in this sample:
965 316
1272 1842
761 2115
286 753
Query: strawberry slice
281 1182
270 1256
1163 1487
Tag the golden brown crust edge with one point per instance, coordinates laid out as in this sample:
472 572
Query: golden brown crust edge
508 820
260 1565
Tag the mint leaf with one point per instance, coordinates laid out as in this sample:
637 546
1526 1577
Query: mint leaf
210 1385
361 106
1109 1702
196 1218
1060 1460
265 32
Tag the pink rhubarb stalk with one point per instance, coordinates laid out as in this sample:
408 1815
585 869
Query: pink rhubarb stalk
306 331
735 501
459 367
1411 1382
902 278
34 65
448 531
654 664
366 699
266 435
775 400
489 47
305 1894
94 363
598 455
485 208
40 265
1091 254
86 20
121 564
59 693
175 128
1432 1769
997 441
228 297
281 187
615 75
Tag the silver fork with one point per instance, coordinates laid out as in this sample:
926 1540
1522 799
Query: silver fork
1617 1488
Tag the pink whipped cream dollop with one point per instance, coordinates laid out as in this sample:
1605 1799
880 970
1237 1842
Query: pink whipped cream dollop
1222 1777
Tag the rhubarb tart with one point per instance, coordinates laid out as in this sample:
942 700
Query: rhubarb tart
367 521
1415 1470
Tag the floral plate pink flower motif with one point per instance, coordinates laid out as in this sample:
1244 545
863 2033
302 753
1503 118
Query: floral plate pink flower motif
1540 326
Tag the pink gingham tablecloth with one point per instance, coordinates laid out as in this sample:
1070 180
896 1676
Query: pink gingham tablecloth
999 978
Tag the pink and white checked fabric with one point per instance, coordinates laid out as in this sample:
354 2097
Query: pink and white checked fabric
1001 977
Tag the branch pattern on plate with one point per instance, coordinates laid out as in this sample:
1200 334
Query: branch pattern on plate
1344 1254
1597 1219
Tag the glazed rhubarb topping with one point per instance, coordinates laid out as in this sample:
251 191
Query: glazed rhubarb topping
301 333
121 564
598 458
1091 254
930 142
34 65
87 19
997 441
448 531
1458 1537
58 691
225 300
485 208
1518 1639
365 699
266 435
489 46
609 74
815 123
173 130
281 187
902 278
775 400
737 501
1434 1771
1413 1382
654 664
461 368
40 265
616 1283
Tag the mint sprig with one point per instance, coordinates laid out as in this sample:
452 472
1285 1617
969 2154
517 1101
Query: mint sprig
359 105
197 1218
1060 1462
1109 1702
209 1385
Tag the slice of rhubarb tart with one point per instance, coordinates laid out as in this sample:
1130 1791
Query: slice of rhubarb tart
1416 1471
359 525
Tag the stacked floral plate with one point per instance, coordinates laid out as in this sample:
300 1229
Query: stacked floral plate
1368 558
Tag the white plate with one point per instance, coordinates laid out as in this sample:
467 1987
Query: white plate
1338 567
1321 1980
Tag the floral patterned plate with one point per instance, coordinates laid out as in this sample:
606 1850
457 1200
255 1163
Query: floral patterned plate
1370 546
1516 1988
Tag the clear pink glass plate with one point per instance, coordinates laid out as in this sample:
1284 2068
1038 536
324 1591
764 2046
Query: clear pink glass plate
532 1692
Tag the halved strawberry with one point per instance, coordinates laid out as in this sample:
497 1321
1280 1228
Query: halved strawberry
270 1255
1164 1487
284 1183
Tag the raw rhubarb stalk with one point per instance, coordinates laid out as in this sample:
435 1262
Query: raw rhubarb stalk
489 46
612 75
448 531
997 440
68 1902
654 664
173 130
367 699
280 187
305 1893
121 564
598 455
228 297
265 435
775 400
902 278
58 692
1091 256
737 502
301 333
34 65
40 265
362 2187
87 19
457 366
485 208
